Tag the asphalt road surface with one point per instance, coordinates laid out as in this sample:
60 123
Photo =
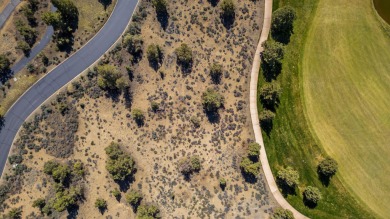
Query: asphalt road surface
8 11
64 73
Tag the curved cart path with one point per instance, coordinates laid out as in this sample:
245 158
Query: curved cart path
255 116
64 73
8 11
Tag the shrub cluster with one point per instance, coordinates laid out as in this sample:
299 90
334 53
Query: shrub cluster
120 165
250 165
281 213
189 165
110 78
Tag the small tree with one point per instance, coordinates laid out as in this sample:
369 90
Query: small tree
4 67
288 177
281 213
249 167
138 116
101 204
228 9
116 193
269 95
119 164
311 196
15 213
134 44
282 24
195 163
154 54
148 212
161 7
222 183
272 59
109 77
266 118
327 167
61 173
253 151
39 203
184 55
216 72
212 100
134 198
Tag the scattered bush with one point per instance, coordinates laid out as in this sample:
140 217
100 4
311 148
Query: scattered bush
222 183
195 121
250 168
39 203
138 116
148 212
254 151
15 213
189 165
282 24
184 55
281 213
110 78
311 196
155 106
216 72
212 100
154 54
15 159
134 44
134 198
101 204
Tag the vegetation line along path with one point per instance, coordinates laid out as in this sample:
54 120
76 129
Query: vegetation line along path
255 116
8 11
64 73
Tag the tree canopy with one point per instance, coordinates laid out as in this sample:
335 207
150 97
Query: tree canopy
212 100
119 165
282 24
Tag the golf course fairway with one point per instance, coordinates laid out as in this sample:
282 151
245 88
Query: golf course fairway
346 92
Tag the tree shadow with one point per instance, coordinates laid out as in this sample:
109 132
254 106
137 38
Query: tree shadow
325 180
213 116
285 189
270 73
140 122
130 73
308 203
105 3
216 78
163 18
128 95
113 94
213 2
249 178
5 75
73 211
282 36
267 126
228 21
125 184
102 210
2 122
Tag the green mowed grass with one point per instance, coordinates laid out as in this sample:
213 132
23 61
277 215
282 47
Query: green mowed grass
291 143
346 86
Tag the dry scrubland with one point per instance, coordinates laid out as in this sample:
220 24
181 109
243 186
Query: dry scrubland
92 118
92 17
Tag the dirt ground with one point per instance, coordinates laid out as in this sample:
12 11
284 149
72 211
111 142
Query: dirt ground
168 134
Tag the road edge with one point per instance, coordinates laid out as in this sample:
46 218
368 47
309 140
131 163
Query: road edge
255 116
56 93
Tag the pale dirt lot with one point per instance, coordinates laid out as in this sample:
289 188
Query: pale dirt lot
168 135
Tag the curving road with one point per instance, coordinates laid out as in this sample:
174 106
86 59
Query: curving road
8 11
64 73
255 116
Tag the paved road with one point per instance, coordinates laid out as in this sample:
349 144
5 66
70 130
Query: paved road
255 116
64 73
35 50
8 11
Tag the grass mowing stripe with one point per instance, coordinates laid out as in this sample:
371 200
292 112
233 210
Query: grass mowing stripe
291 142
346 87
